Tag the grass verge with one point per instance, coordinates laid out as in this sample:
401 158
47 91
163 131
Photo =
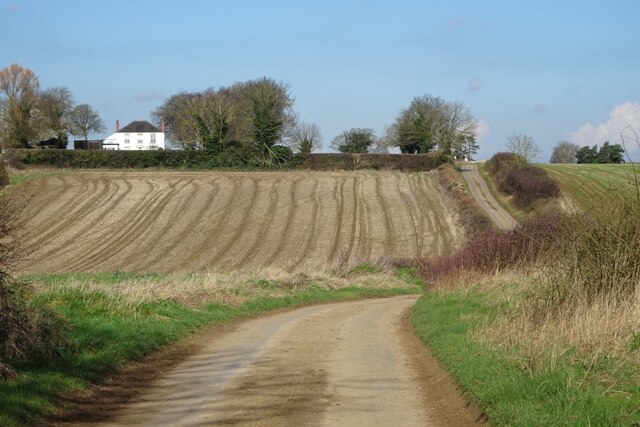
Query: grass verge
111 326
568 388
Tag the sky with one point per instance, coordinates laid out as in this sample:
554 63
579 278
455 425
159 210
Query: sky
553 70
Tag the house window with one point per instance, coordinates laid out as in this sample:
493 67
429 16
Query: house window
126 138
153 139
139 139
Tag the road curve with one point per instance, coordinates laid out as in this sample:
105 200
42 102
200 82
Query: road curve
485 199
340 364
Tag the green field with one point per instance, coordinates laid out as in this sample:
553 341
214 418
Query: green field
591 184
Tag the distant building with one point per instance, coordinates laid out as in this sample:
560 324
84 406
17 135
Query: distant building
138 135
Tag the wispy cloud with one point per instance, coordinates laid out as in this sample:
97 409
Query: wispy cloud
620 118
457 22
475 84
12 6
538 109
147 96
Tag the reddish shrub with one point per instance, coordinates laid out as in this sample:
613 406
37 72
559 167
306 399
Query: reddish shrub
525 182
494 250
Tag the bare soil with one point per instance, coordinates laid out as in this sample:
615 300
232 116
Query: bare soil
232 221
341 364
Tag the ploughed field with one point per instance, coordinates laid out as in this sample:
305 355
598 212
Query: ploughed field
224 221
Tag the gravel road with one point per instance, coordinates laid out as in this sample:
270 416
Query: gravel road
340 364
485 199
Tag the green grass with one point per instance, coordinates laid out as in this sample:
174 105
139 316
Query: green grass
591 184
500 382
108 330
22 177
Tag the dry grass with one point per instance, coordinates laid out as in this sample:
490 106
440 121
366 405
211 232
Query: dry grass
229 288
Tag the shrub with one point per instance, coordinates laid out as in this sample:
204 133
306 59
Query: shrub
601 256
492 250
25 330
527 184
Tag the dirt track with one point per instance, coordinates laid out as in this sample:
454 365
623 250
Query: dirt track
222 221
342 364
485 199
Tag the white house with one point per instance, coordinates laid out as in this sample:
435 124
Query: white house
138 135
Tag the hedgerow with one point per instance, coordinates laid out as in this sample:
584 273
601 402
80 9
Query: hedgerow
282 157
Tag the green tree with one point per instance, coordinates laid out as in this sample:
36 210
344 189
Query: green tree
84 120
355 140
610 154
268 113
587 154
431 122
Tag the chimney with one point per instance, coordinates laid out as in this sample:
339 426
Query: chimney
162 127
117 125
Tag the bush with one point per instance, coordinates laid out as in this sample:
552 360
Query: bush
25 330
527 184
492 250
600 257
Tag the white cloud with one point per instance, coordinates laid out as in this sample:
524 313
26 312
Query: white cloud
475 84
620 117
483 129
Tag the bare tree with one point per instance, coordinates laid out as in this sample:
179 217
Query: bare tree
84 120
523 145
20 119
305 138
564 152
55 104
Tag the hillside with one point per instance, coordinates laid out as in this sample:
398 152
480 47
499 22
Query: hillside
223 221
586 184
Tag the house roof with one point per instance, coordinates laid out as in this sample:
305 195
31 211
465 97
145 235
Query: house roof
139 127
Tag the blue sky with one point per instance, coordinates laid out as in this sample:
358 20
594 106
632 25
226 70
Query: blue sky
550 69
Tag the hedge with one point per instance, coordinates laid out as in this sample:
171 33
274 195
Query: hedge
350 161
91 159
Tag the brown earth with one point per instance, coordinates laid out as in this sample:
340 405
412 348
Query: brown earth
341 364
224 221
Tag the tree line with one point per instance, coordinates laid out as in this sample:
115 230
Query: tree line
31 116
567 152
